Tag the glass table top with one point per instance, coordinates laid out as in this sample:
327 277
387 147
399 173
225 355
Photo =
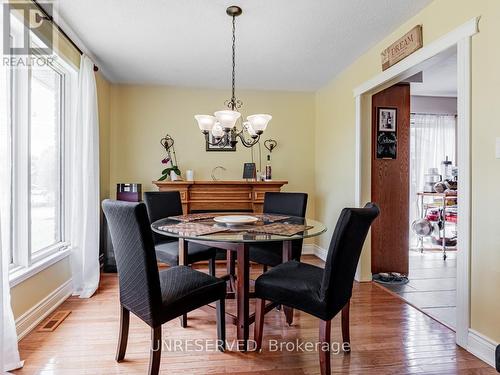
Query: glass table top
241 233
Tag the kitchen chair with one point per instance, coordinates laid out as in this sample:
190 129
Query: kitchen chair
322 293
270 254
161 204
154 296
289 204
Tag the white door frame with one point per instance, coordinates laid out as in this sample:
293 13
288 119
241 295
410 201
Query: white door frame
461 39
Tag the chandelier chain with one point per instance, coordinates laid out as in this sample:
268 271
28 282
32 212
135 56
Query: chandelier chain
233 97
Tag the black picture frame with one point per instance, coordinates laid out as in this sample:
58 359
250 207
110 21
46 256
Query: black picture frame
387 133
387 120
249 171
209 147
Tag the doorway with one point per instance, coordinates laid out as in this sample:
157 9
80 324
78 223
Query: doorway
459 38
432 177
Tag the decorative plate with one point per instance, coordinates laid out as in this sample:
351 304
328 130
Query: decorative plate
231 220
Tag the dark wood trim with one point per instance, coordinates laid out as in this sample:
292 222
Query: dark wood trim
390 186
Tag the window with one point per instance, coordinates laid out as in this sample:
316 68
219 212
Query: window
45 164
36 136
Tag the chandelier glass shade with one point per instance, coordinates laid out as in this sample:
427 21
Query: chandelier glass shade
223 126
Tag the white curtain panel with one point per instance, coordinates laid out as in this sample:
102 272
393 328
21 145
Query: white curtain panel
9 360
433 138
85 185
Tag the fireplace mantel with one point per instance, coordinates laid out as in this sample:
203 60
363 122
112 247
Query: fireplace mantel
221 195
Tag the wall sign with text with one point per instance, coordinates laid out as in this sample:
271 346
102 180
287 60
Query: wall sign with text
403 47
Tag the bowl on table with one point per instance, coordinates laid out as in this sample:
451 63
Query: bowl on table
235 220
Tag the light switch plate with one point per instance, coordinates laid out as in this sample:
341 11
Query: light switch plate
497 148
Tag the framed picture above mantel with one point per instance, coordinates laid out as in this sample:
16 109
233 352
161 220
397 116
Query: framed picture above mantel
212 147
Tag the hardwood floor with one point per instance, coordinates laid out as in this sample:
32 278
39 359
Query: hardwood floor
387 337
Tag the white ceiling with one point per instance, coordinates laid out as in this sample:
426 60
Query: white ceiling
281 44
439 79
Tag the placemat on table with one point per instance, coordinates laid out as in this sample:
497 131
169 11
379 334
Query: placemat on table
271 217
280 229
192 217
191 229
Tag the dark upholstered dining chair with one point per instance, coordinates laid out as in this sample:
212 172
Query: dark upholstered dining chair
289 204
154 296
162 204
270 254
322 293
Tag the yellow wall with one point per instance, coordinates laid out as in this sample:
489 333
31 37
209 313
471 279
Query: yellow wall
142 115
29 293
335 127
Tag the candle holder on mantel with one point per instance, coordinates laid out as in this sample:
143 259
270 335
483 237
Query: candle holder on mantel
173 171
270 144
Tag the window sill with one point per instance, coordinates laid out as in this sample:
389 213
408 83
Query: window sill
19 274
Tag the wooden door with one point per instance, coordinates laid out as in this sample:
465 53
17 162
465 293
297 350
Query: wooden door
390 179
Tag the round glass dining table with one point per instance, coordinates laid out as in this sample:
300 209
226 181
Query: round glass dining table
237 239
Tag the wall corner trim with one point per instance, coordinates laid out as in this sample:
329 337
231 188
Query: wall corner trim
317 251
482 347
34 316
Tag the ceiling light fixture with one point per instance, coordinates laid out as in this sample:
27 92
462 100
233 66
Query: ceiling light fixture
222 126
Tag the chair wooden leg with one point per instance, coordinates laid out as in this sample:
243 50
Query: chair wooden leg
231 269
123 337
324 347
230 263
184 320
288 314
155 352
221 323
211 266
259 323
345 328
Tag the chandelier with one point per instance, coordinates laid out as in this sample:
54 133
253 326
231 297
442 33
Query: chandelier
222 126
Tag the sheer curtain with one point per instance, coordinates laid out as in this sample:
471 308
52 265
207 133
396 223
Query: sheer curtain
9 359
85 185
433 138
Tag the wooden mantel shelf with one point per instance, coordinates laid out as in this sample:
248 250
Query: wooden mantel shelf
221 195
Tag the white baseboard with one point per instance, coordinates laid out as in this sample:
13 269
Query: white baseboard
481 346
31 318
313 249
